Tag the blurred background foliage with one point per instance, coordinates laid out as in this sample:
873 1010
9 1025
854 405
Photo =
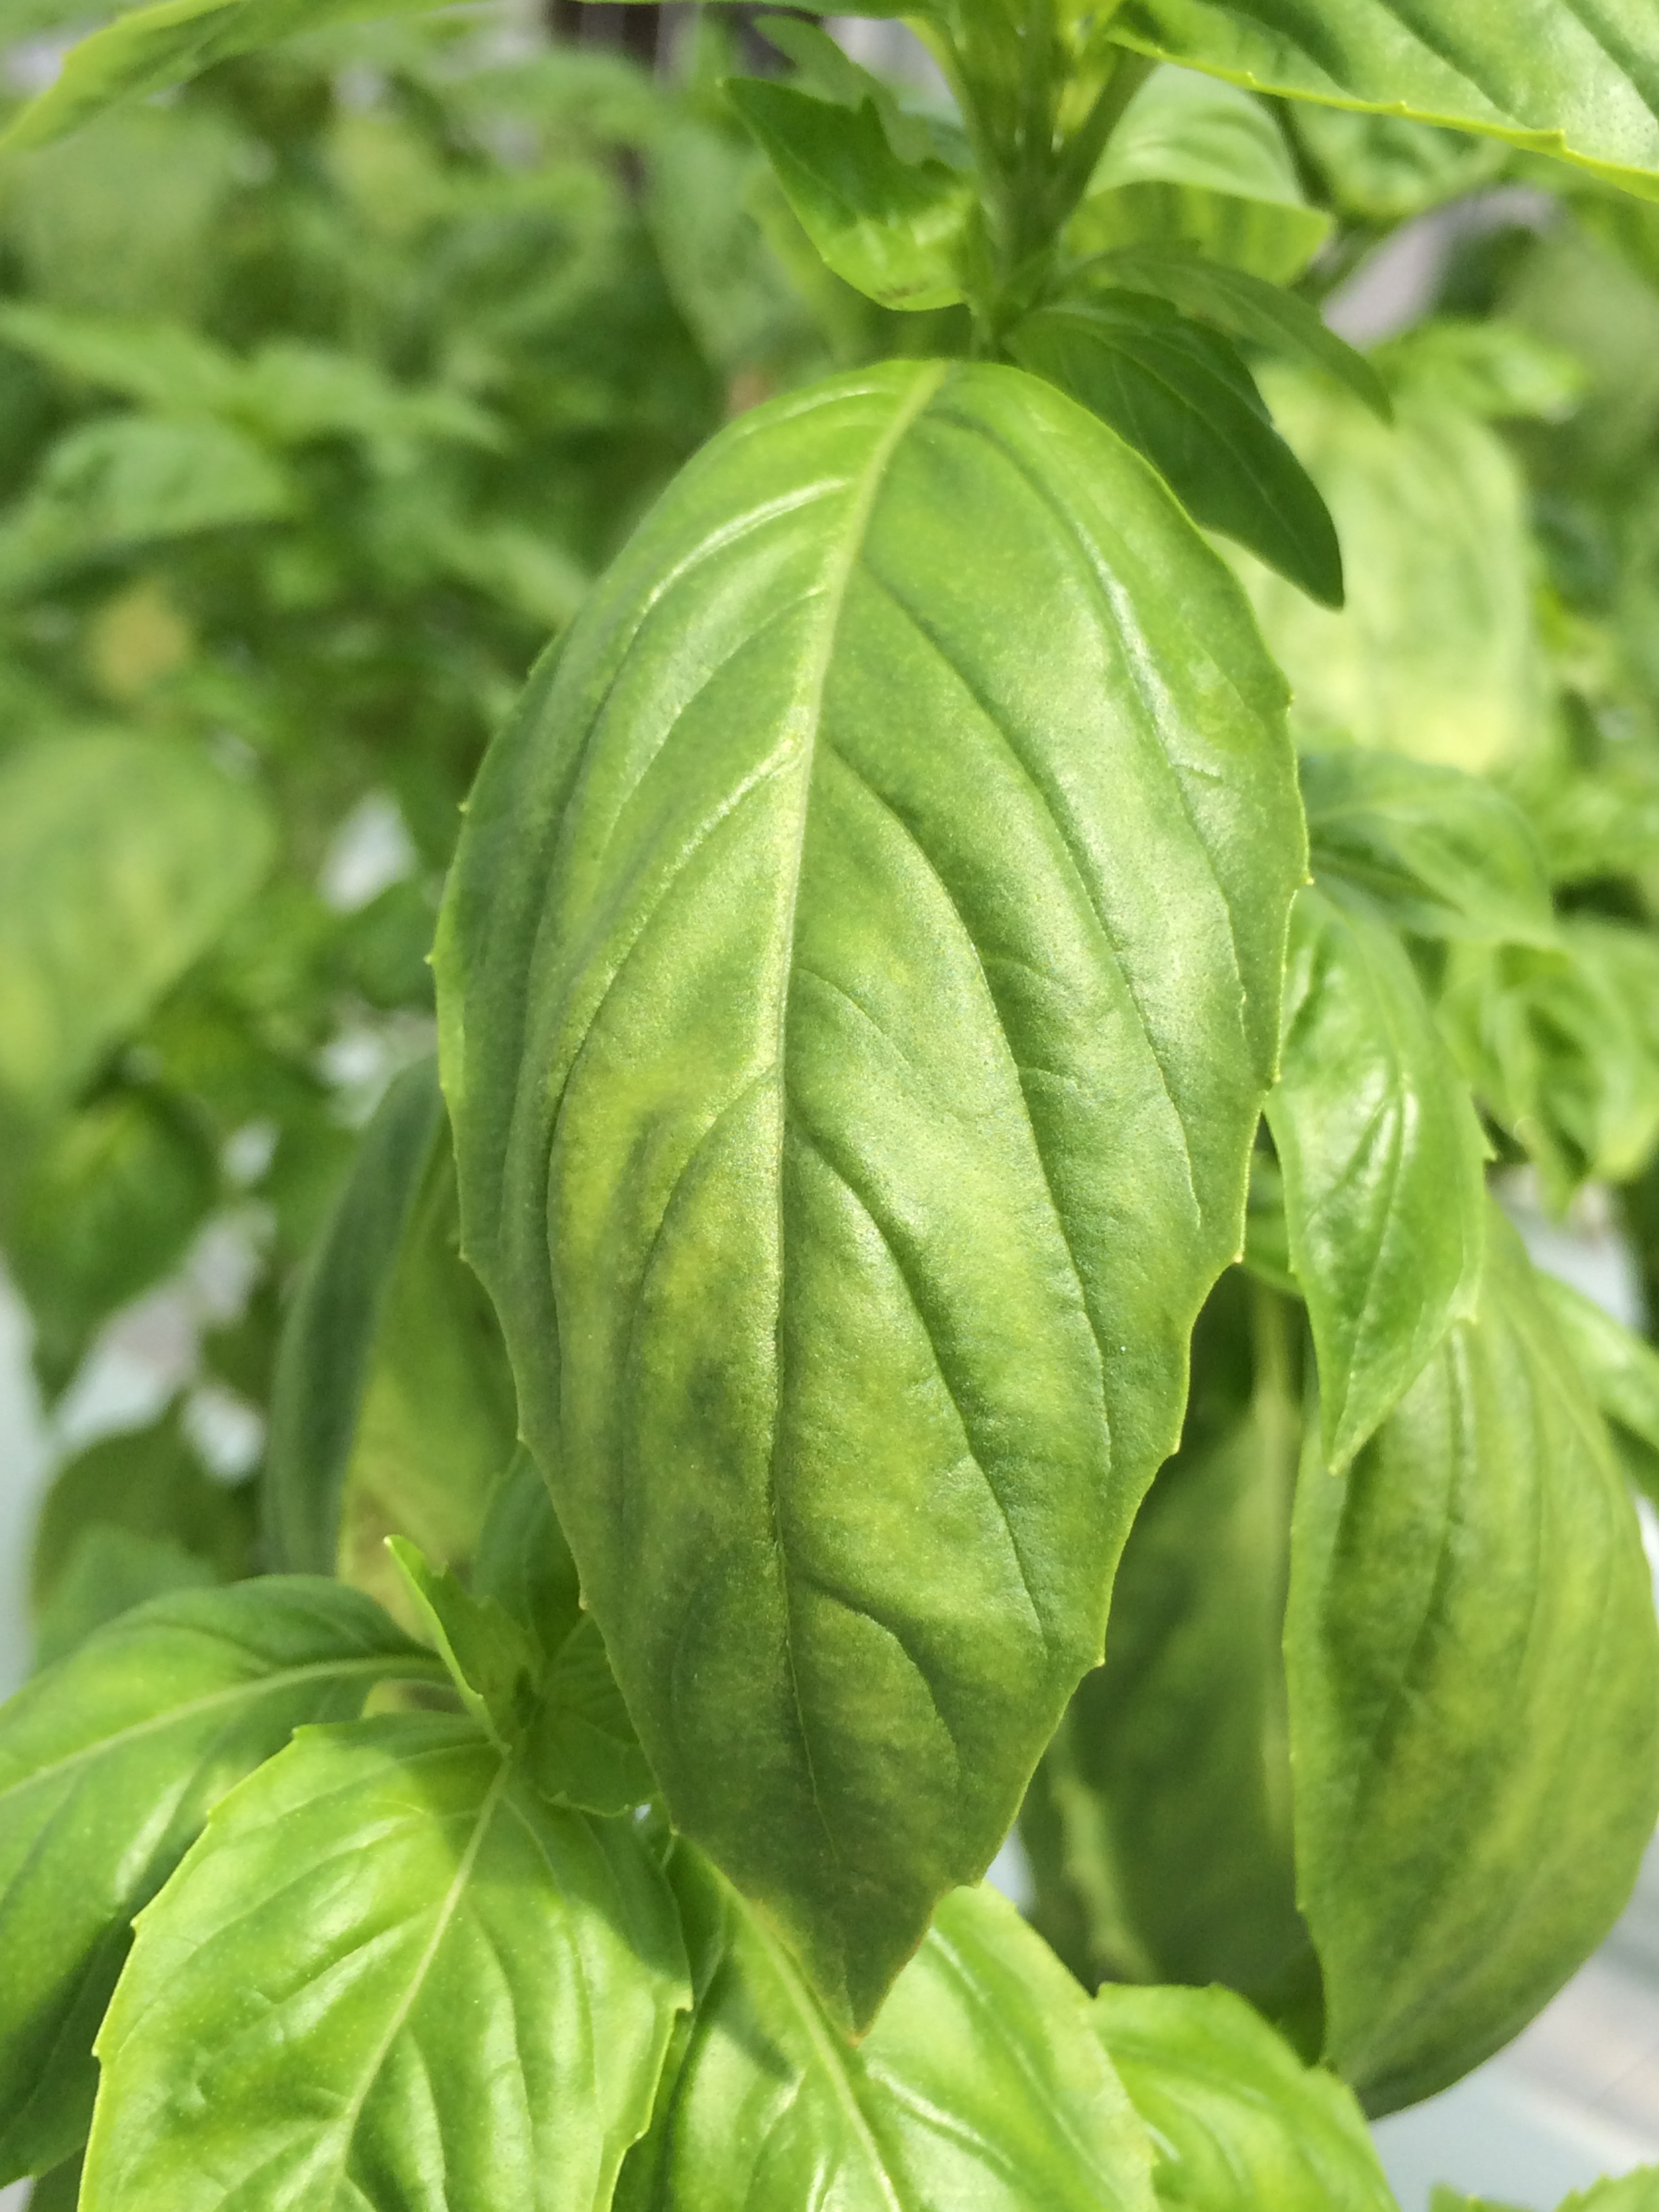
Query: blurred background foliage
326 386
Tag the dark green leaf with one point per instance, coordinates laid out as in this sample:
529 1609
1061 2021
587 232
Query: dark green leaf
1242 305
1543 74
1195 163
1475 1700
392 1410
109 1764
1442 854
523 1561
1179 393
1240 2123
892 228
981 2082
1158 1824
389 1969
824 922
1383 1165
59 2190
107 1572
122 858
101 1208
1435 654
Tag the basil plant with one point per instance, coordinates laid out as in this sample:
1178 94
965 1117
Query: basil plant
946 1276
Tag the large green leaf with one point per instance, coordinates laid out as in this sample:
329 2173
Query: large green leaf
858 985
1475 1700
389 1976
1555 76
1196 162
1383 1165
980 2084
1240 2123
121 859
392 1410
892 228
109 1764
1440 853
1181 394
1158 1824
1434 654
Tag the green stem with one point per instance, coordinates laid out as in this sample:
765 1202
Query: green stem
1089 141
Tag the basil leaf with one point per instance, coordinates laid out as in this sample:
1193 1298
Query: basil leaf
1238 2120
1158 1824
523 1561
1179 393
1473 1678
1539 74
893 228
109 1764
1629 2192
1198 163
1621 1371
1383 1165
1385 169
104 1206
389 1969
490 1658
807 953
1435 653
1440 853
392 1408
1245 307
122 858
980 2083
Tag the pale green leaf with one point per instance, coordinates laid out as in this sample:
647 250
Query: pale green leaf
1622 1370
1494 368
393 1409
151 48
1239 2122
1435 654
840 989
1440 853
389 1976
109 1764
1475 1700
1179 393
1383 1165
1198 163
982 2083
892 228
122 858
1158 1824
1549 75
491 1658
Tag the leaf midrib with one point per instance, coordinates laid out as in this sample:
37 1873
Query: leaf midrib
411 1667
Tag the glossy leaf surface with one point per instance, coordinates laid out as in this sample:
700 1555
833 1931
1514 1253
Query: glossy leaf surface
389 1976
1475 1700
892 228
1383 1165
1239 2121
121 859
1196 162
109 1764
1181 394
1158 1824
847 987
1434 654
1442 853
1544 74
980 2084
